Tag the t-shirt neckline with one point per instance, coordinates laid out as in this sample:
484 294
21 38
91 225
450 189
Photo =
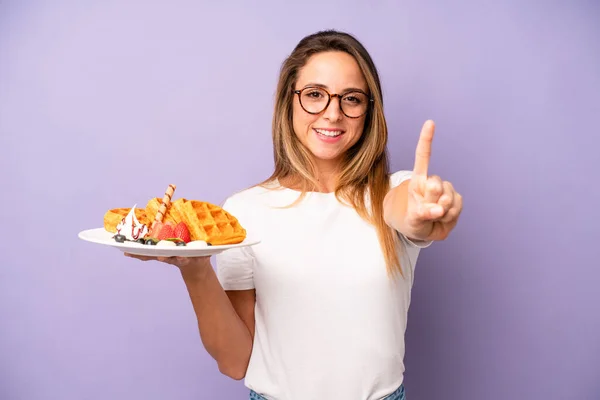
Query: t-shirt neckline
298 192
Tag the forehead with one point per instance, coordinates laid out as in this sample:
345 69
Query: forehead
335 70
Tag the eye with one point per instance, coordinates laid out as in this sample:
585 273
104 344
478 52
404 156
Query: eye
354 98
315 94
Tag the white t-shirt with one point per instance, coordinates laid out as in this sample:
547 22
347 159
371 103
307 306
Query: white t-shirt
330 323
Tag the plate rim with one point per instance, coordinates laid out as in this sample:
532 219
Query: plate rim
181 250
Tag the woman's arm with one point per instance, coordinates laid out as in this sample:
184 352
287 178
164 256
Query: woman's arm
394 208
225 319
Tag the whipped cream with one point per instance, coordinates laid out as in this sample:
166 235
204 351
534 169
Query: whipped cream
197 244
130 227
166 243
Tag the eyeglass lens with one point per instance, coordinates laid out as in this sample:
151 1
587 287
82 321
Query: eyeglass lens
315 100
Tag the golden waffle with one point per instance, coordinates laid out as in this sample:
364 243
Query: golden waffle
170 216
207 222
113 217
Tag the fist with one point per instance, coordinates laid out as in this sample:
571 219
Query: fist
433 206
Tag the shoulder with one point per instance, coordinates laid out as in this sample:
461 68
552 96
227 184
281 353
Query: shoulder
396 178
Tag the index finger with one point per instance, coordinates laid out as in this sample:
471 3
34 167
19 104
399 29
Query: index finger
423 153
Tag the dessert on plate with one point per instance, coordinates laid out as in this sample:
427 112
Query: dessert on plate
180 222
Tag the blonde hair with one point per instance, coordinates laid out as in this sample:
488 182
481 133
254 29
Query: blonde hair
365 168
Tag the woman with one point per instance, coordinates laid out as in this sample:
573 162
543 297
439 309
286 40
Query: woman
318 309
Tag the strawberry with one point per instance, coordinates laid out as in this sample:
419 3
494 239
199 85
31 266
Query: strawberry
182 232
156 230
166 232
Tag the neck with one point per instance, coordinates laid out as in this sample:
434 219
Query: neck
327 176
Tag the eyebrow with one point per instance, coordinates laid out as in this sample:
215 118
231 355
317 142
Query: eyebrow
350 89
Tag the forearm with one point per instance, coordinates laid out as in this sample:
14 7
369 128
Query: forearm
395 206
223 333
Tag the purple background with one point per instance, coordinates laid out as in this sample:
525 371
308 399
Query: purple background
103 104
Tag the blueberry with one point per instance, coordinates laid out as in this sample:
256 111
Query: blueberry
120 238
141 241
180 243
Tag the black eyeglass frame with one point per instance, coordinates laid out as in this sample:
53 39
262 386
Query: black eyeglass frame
330 96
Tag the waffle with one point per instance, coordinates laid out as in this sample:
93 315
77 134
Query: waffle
170 215
205 221
113 217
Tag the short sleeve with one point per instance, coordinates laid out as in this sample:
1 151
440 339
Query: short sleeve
400 176
396 179
235 267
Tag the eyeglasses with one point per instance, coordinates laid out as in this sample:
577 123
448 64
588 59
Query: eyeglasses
314 100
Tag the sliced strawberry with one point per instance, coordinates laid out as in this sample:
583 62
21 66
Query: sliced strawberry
182 232
156 230
166 232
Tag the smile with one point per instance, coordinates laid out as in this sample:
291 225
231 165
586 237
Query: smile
329 132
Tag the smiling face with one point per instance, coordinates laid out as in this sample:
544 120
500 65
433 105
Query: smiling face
330 133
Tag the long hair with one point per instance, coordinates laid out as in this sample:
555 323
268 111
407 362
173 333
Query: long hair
365 168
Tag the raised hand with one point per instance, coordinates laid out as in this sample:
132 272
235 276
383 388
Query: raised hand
433 206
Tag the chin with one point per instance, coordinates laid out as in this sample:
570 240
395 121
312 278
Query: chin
328 151
326 155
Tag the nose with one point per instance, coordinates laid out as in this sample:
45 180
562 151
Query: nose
333 111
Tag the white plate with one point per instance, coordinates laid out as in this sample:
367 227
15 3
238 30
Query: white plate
102 236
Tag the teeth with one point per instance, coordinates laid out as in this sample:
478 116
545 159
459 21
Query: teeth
329 133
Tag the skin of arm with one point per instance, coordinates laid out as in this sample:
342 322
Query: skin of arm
225 318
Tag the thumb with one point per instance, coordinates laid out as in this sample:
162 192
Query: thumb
429 211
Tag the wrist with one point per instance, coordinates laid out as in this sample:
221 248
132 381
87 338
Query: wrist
417 235
196 269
